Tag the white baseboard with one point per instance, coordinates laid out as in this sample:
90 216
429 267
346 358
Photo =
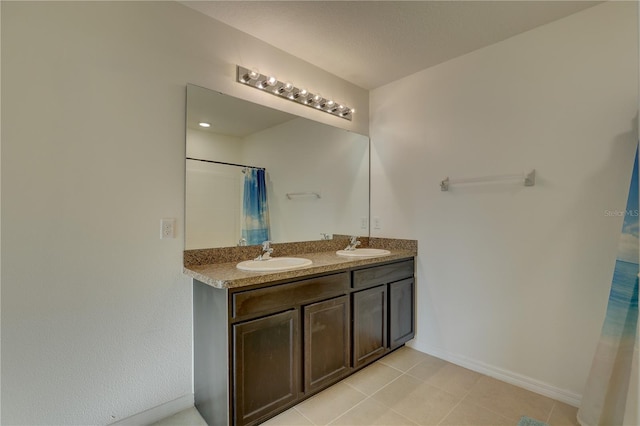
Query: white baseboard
160 412
510 377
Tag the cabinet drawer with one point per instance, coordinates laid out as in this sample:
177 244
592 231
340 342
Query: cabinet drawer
369 277
287 295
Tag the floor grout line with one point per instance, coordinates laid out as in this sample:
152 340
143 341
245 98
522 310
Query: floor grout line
346 411
459 402
551 412
364 369
350 409
402 415
302 414
449 412
490 410
387 384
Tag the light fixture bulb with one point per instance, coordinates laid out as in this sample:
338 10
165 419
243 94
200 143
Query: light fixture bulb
347 111
285 88
329 105
249 76
204 124
267 82
301 95
270 84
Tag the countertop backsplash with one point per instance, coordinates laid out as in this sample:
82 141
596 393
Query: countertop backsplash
238 254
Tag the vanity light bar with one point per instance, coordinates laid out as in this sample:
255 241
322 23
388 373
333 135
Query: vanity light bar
288 91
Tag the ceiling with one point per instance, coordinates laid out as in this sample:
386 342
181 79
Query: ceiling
372 43
228 115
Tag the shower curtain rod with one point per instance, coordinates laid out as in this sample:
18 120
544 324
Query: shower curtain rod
226 164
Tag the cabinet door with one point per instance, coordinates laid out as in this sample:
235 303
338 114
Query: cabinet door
267 364
369 325
326 342
401 315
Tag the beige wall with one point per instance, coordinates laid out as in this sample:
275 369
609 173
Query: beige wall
96 313
514 281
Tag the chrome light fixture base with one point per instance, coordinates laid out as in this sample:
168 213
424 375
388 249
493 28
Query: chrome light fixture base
270 84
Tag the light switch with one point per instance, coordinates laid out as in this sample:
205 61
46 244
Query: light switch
167 228
364 222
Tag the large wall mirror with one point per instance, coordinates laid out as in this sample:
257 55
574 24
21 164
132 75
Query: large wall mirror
256 168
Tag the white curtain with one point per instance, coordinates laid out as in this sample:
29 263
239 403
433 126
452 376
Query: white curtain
611 395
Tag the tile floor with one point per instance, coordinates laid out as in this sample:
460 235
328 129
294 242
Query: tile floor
408 387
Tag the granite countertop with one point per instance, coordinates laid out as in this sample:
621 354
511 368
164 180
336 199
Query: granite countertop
226 275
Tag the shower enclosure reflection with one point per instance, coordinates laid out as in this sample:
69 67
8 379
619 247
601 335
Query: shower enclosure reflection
298 156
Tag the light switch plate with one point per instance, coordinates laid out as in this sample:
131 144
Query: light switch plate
167 228
376 222
364 222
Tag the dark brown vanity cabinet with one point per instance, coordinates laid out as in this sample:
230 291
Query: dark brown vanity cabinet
258 351
327 342
266 356
369 325
401 315
261 350
383 310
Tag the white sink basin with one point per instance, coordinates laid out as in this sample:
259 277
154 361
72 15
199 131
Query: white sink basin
363 252
275 264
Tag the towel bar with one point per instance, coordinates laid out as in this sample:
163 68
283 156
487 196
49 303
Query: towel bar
529 179
292 195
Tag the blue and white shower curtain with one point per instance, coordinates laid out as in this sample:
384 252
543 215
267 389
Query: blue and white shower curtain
611 395
255 210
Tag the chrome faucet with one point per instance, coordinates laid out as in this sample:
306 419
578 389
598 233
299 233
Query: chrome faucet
266 251
353 243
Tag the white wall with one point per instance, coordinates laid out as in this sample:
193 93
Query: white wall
512 280
212 190
213 205
299 156
212 146
96 313
302 156
0 222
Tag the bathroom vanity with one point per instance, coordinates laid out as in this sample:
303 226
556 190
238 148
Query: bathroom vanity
264 342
